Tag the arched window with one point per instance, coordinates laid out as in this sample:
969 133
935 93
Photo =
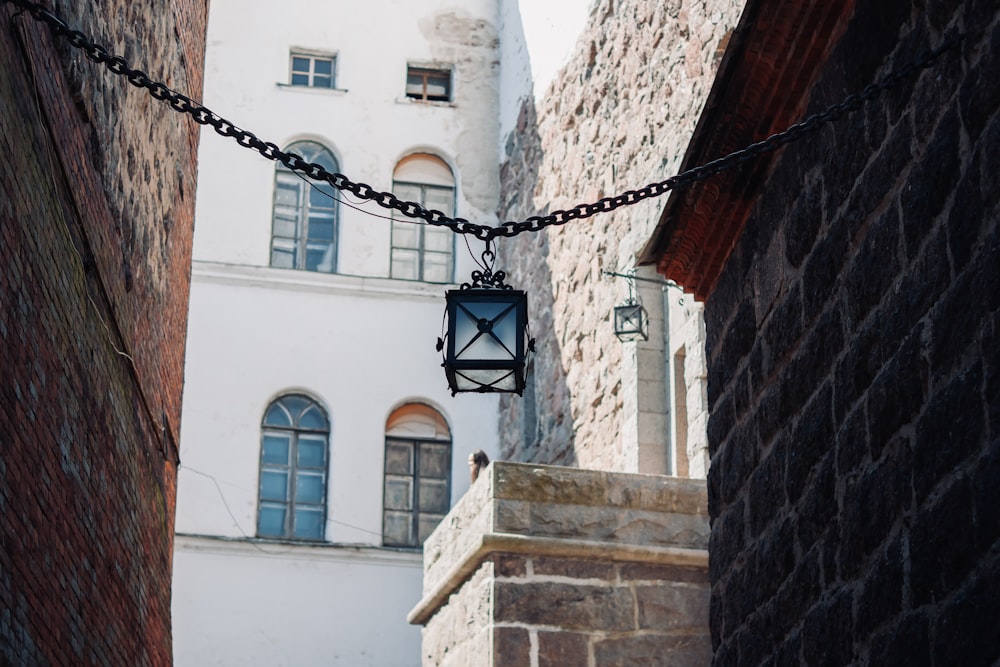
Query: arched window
304 224
417 491
294 436
423 252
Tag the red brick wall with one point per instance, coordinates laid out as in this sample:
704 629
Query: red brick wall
854 376
97 205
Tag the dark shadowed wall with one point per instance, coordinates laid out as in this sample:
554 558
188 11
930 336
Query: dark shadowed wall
854 374
96 214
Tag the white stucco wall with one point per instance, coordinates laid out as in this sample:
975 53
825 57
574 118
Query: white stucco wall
368 122
357 342
311 606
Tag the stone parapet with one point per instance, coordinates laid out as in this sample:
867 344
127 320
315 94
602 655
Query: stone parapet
550 565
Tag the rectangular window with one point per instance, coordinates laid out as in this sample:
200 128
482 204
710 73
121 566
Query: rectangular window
428 85
422 252
312 71
417 489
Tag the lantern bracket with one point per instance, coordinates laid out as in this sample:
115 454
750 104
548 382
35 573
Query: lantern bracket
487 278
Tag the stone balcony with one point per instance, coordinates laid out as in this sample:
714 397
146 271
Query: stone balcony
543 565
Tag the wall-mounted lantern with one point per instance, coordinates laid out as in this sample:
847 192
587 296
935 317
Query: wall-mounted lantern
631 322
486 343
630 318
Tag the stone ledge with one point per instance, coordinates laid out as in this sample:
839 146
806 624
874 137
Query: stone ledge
489 544
569 504
539 510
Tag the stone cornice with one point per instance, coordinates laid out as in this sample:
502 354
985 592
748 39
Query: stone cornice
526 545
552 511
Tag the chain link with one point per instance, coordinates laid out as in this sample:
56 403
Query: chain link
204 116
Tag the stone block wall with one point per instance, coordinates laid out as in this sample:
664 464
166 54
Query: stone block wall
616 118
854 374
540 565
97 204
557 611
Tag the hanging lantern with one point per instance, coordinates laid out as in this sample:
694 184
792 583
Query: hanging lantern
631 320
486 343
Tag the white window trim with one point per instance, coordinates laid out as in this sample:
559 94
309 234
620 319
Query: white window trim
312 53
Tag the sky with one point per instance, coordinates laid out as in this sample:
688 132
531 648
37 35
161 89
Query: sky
550 30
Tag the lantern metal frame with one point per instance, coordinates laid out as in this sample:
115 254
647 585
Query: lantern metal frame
631 322
498 312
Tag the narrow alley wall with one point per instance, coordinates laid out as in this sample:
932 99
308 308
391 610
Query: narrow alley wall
96 216
618 117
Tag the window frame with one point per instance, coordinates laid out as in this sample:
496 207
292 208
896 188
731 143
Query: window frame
427 72
300 245
420 230
312 57
415 444
292 468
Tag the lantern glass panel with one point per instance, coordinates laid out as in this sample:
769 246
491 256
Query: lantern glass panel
630 322
485 330
499 379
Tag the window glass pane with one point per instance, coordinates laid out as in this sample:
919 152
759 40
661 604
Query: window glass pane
434 460
282 258
396 528
273 485
426 523
437 268
415 85
405 235
323 66
308 523
295 405
398 493
309 487
320 198
312 451
407 191
286 190
312 417
320 226
300 64
318 257
275 449
277 416
437 86
437 240
434 496
404 264
286 226
398 458
300 79
442 199
321 81
271 521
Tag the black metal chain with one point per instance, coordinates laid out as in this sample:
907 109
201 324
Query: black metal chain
204 116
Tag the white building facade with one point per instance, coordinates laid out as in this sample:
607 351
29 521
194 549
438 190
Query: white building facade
320 443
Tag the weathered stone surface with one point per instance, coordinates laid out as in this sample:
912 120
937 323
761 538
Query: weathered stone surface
96 221
459 634
852 431
556 649
670 607
568 606
623 576
642 650
616 118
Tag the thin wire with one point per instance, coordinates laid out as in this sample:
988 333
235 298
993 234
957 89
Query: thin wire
334 197
242 488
